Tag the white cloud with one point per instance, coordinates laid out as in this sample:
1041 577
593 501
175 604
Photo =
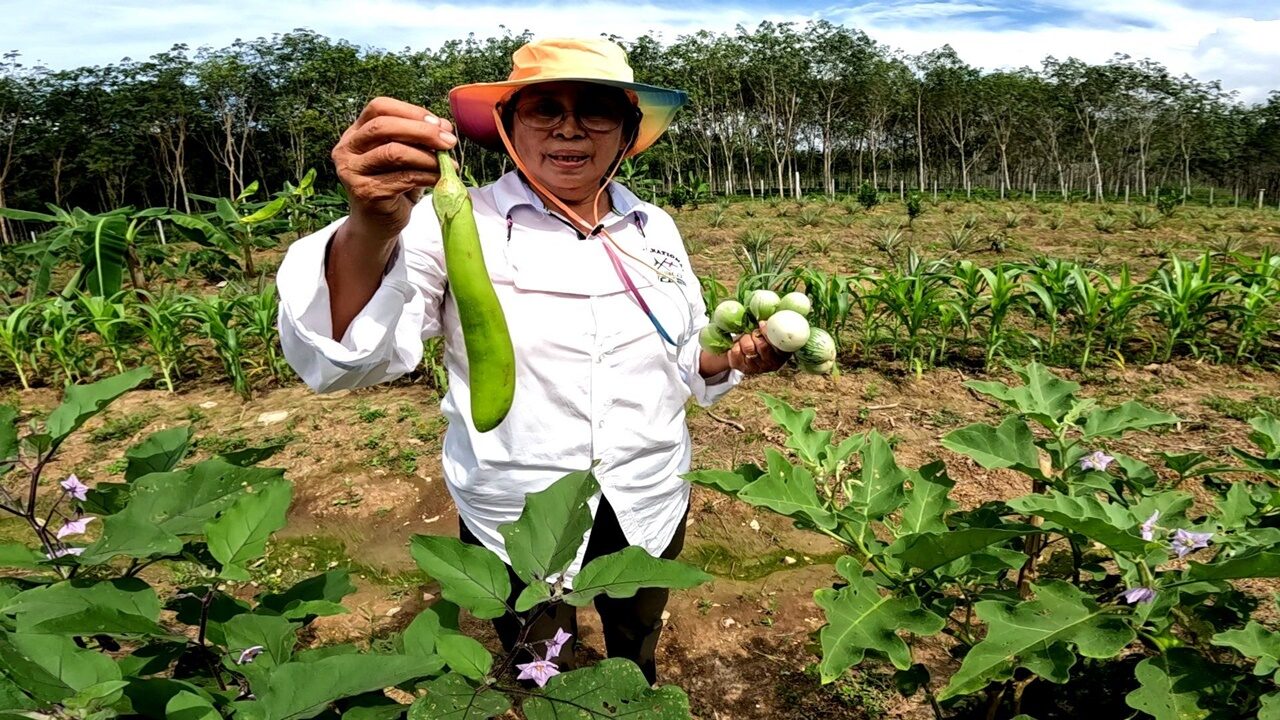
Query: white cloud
1206 43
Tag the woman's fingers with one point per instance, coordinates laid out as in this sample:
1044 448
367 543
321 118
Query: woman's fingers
386 129
752 354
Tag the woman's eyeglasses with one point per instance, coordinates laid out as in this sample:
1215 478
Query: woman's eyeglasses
592 114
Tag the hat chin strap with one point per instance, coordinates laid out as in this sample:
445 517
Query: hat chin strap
595 228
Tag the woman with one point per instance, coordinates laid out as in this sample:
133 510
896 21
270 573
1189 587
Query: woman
603 307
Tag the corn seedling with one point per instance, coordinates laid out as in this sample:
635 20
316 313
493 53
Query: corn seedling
162 319
1182 298
216 318
106 316
17 339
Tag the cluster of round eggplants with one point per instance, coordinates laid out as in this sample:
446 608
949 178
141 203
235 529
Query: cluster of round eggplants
785 327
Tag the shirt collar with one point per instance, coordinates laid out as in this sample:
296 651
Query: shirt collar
511 192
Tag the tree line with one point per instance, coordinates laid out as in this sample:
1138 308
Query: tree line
818 105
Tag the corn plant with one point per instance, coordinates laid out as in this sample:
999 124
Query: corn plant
1048 284
216 320
257 317
831 295
913 300
107 317
18 339
1183 299
1001 297
60 329
162 319
1256 291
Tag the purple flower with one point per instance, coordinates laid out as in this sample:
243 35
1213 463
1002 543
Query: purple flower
1096 460
75 527
249 654
1133 596
75 488
539 671
555 644
1185 541
1149 527
63 552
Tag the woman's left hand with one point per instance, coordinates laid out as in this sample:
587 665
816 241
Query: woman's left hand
752 354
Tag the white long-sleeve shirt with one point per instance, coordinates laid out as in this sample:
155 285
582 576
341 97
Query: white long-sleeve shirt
594 380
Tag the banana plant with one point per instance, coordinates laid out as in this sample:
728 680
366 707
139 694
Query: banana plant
227 230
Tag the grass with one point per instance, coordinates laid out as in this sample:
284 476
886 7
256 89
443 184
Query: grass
1243 410
121 427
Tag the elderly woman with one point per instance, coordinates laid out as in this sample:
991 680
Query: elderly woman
603 307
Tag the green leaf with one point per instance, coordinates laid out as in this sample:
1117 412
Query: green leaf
1170 685
726 481
371 706
298 690
52 667
96 697
266 212
929 551
470 576
927 501
124 606
1036 634
465 656
788 490
160 452
190 706
227 212
19 556
239 535
81 402
621 574
861 618
538 592
546 537
1009 446
103 257
878 490
1116 421
1255 642
1270 707
8 432
1235 508
1255 565
421 635
319 591
165 506
150 696
1044 397
274 634
27 215
12 697
614 688
452 698
808 443
1111 524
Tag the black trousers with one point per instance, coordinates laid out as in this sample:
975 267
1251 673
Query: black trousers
631 625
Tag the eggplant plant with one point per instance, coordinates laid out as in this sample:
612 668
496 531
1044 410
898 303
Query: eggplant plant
85 634
1101 562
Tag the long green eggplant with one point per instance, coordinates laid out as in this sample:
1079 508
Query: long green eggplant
491 359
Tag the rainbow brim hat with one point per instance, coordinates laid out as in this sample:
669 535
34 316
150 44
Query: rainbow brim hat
584 60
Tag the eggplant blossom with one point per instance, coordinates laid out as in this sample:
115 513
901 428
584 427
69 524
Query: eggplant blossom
75 488
1149 527
555 644
75 527
1185 541
539 671
1137 595
1096 460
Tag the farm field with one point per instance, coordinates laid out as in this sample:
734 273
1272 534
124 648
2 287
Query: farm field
965 291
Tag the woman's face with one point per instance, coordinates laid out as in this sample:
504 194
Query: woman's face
568 134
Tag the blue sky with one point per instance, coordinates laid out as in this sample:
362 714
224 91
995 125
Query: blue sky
1235 42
